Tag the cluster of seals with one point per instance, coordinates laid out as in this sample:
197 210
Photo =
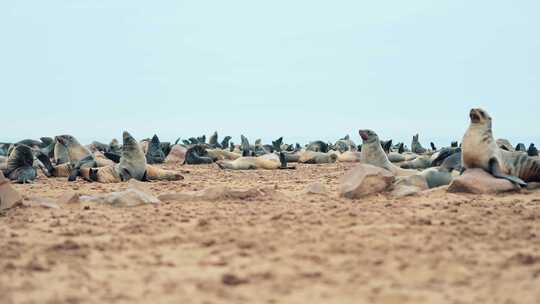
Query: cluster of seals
480 150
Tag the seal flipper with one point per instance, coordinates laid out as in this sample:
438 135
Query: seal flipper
74 173
46 161
495 170
283 161
93 175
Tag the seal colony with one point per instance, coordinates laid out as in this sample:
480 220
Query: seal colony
64 156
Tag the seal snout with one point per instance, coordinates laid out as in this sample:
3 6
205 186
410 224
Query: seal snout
475 115
363 134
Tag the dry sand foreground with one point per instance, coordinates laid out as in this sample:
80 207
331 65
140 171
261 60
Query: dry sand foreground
287 247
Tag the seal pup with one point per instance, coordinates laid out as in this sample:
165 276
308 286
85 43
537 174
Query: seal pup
373 154
253 163
532 151
154 153
20 164
480 150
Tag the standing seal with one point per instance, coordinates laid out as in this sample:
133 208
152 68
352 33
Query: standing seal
480 150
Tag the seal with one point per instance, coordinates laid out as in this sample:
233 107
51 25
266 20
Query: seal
521 147
480 150
154 153
373 154
79 155
317 146
132 165
312 157
532 151
416 147
20 164
197 155
254 163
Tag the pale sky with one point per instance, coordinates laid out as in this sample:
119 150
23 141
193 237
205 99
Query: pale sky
304 70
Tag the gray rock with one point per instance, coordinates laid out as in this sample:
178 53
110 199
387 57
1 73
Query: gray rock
316 188
9 197
136 195
479 181
409 185
364 180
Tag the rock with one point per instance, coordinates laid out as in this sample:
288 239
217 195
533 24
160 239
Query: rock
136 195
9 197
220 193
479 181
69 197
409 185
316 188
177 154
41 202
364 180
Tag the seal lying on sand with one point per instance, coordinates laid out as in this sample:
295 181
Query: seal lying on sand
479 150
312 157
253 163
132 165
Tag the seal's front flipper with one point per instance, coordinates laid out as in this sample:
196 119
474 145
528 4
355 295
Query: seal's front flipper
283 161
495 170
46 161
73 175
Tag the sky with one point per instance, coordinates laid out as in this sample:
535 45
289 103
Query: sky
301 69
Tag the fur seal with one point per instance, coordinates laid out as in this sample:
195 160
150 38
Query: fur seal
132 165
420 162
154 153
373 154
521 147
312 157
479 150
20 164
349 157
532 151
79 156
253 163
197 155
504 144
225 142
317 146
416 147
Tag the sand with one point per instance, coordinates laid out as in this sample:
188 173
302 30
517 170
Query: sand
282 247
